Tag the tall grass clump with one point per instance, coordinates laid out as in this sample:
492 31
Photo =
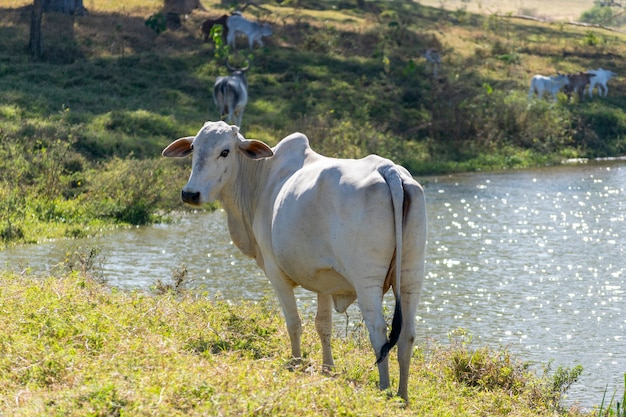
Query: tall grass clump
615 407
485 368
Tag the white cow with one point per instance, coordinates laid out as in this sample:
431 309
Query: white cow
541 84
602 76
253 30
343 228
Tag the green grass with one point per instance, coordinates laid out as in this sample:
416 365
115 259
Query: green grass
75 347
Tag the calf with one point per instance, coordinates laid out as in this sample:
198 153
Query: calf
253 30
577 84
208 24
541 84
602 77
230 94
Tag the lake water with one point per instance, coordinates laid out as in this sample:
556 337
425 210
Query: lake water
532 260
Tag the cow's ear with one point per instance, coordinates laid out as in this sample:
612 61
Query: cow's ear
255 149
179 148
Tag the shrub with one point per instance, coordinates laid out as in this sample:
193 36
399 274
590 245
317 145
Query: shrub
126 190
157 22
603 15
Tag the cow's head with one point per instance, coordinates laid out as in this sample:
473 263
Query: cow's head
217 151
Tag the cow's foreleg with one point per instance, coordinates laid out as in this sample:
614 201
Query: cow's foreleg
324 327
287 298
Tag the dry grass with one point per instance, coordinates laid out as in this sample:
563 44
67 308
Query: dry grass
568 10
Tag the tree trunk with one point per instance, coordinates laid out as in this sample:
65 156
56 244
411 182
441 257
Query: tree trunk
70 7
35 44
182 6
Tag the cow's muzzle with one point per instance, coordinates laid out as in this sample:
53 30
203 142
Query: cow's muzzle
189 197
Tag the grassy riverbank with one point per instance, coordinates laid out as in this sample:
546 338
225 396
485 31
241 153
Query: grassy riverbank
82 129
74 347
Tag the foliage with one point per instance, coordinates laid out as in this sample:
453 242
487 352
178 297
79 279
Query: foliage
44 180
603 15
221 48
561 381
157 22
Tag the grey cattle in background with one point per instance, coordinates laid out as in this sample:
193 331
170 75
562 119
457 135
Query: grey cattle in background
253 30
230 94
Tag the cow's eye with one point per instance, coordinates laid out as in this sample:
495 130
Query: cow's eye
224 153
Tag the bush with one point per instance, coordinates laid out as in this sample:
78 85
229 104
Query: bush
129 190
603 15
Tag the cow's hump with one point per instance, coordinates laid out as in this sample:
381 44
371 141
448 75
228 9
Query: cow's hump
292 146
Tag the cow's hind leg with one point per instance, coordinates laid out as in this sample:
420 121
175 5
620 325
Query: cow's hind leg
371 308
407 340
324 327
239 117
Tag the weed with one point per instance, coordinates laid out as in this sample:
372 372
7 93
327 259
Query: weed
486 368
590 39
157 22
86 262
179 281
614 408
556 386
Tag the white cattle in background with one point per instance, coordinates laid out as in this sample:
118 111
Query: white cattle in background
600 79
540 84
345 229
253 30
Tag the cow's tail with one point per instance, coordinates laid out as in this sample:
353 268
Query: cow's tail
224 99
394 181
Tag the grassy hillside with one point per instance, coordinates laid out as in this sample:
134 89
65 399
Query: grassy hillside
82 129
